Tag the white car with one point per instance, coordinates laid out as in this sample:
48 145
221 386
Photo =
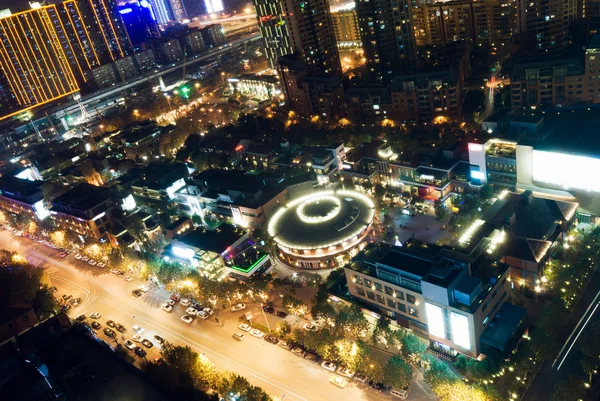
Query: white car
402 393
137 338
202 315
208 311
309 327
101 264
344 371
85 258
238 307
95 315
166 307
144 288
138 329
130 344
170 302
92 262
328 365
77 256
245 327
187 319
115 271
127 278
338 381
257 333
184 302
191 311
238 336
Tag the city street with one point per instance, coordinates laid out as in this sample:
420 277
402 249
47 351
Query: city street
278 371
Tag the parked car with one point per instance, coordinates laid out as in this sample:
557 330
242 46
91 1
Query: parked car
147 343
238 307
328 365
129 344
170 302
175 297
96 326
137 338
95 315
84 258
344 371
166 307
137 329
144 288
281 314
139 351
101 264
401 393
309 327
187 319
120 328
77 256
257 333
271 339
298 351
184 302
360 377
80 318
137 293
268 309
338 381
285 345
127 278
92 262
377 386
110 323
115 271
245 327
159 339
239 336
191 311
109 332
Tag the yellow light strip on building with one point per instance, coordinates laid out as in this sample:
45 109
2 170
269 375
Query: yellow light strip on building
36 105
54 52
84 28
68 41
63 61
102 31
43 88
18 58
67 11
27 58
13 79
41 27
113 28
35 35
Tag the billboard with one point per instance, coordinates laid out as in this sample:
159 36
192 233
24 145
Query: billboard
566 171
459 325
213 6
435 320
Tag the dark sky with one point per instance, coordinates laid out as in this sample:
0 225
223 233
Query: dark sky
14 5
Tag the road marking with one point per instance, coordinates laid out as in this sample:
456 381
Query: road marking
578 334
212 355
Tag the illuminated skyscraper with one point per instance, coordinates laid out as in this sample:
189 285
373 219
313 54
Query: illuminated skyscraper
162 10
387 36
140 23
547 22
33 61
303 27
214 6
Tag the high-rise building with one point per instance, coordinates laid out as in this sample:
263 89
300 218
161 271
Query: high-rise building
140 23
387 36
213 6
179 11
273 27
491 22
162 11
303 27
546 22
345 26
32 60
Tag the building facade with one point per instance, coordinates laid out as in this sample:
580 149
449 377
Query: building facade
546 22
345 27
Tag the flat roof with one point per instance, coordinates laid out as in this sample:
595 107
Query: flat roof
83 197
11 186
217 240
505 323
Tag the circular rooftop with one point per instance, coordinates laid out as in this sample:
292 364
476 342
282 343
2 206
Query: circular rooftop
322 219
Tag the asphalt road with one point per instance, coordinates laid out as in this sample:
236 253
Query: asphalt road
276 370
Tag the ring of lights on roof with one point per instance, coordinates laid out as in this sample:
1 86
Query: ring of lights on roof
322 225
319 209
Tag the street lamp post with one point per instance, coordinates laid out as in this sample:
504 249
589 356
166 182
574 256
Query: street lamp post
265 316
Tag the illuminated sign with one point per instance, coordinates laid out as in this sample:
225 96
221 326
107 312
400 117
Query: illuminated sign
40 210
128 203
101 215
183 253
213 6
435 320
125 11
459 325
475 147
566 171
427 177
478 175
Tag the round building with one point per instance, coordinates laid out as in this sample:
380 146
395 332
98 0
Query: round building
322 230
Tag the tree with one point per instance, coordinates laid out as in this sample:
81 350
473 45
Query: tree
351 319
486 191
412 346
440 210
294 305
437 372
379 191
197 220
571 389
482 369
284 328
397 372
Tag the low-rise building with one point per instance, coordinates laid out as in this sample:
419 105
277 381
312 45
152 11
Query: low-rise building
440 294
84 210
157 181
213 35
23 197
